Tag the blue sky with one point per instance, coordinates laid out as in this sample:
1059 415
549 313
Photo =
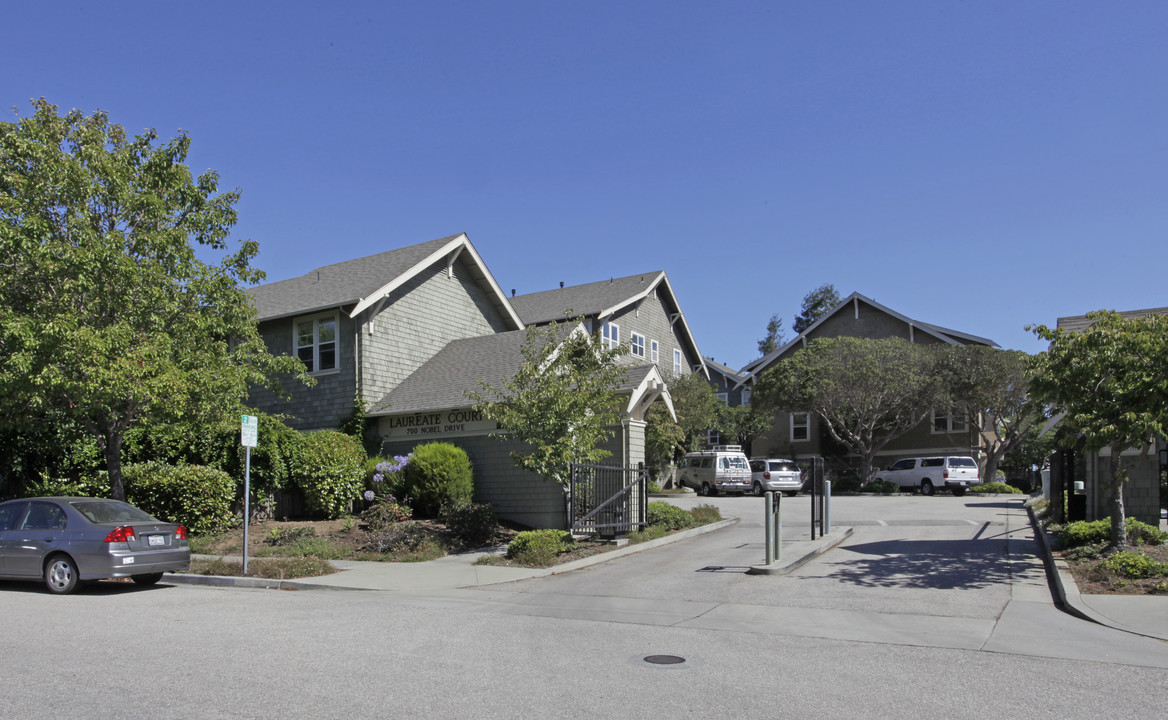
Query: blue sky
976 165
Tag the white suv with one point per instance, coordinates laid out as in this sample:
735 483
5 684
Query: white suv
954 472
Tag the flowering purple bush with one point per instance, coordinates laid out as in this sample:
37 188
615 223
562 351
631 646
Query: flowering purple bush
391 467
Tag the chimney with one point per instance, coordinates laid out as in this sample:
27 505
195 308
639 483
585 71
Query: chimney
512 292
561 284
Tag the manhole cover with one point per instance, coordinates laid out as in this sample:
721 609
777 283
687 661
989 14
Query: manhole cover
664 659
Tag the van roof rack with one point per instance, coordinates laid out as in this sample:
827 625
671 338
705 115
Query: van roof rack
728 448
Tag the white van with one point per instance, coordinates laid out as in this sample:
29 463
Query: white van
723 468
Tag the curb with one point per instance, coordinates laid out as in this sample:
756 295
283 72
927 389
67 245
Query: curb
1065 590
809 550
274 584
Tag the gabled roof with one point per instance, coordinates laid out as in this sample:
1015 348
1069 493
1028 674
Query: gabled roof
950 337
1079 323
442 382
363 282
723 370
601 300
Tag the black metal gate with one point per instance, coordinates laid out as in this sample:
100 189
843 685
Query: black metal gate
607 501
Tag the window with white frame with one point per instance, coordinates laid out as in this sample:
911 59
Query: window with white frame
610 336
800 426
677 362
724 397
316 342
653 351
949 421
745 396
637 345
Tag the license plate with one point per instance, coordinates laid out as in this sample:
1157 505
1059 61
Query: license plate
153 540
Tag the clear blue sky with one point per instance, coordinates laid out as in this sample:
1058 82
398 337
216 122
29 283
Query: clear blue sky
976 165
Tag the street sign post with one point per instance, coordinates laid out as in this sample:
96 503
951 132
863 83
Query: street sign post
249 434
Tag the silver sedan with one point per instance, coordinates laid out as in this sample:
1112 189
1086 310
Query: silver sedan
66 541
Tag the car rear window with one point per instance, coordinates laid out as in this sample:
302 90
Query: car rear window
784 467
962 462
932 462
105 511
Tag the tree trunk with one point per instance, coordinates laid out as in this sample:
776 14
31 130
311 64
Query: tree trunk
1118 521
113 463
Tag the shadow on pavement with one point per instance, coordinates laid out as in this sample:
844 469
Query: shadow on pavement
939 564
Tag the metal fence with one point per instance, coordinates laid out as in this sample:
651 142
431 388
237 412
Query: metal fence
607 501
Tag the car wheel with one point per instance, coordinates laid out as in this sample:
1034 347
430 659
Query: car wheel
61 575
926 487
149 579
757 490
704 489
958 491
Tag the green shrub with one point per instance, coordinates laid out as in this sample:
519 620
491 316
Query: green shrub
996 487
1141 533
438 474
1134 565
96 486
540 546
288 535
880 487
405 542
706 514
845 483
652 532
385 512
192 495
1082 532
653 487
470 522
329 467
668 516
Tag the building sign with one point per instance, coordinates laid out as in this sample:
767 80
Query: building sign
440 423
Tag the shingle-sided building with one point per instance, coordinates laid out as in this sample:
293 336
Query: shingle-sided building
800 435
408 332
1141 493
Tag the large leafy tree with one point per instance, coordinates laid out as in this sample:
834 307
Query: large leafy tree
815 305
990 388
1110 383
744 423
561 403
108 316
866 392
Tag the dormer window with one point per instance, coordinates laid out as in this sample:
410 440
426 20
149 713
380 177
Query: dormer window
610 336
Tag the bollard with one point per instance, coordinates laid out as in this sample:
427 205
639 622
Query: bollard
778 511
827 506
770 529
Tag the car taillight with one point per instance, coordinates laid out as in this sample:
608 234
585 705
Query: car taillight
766 476
120 534
180 532
945 474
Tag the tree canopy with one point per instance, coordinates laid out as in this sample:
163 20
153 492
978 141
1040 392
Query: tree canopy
815 305
562 402
775 337
108 316
989 387
1110 383
866 392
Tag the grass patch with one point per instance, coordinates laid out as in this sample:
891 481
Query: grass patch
272 569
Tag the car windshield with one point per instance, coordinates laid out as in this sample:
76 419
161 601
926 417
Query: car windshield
784 466
962 462
110 511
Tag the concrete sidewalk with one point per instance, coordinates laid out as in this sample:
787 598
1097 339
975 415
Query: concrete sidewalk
1145 615
461 571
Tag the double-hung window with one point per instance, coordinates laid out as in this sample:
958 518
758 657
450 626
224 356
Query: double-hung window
800 426
637 345
653 351
677 362
610 336
316 342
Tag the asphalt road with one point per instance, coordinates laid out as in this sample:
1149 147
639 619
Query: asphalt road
932 608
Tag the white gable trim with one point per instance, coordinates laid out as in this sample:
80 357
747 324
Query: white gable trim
451 252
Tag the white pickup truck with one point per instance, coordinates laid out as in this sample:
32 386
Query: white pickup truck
955 472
